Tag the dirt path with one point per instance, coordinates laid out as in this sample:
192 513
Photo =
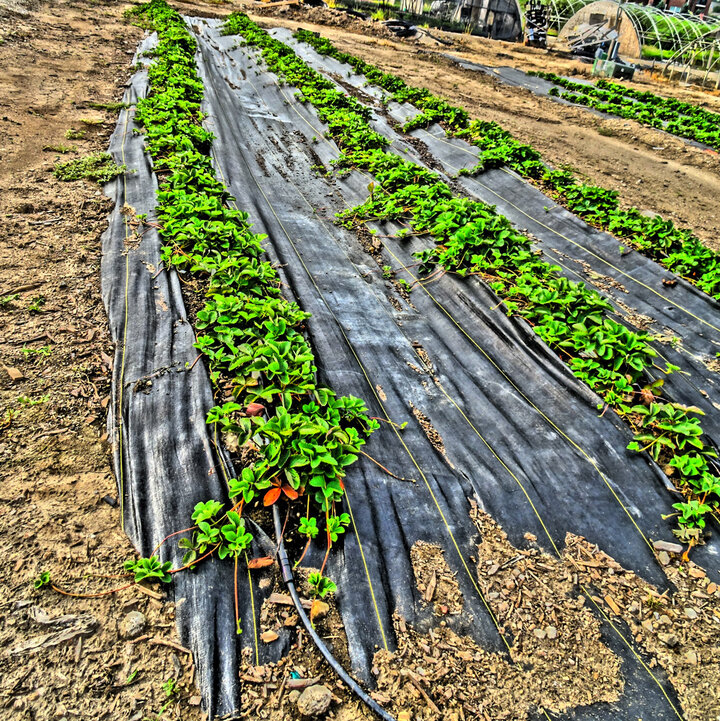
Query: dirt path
651 170
64 657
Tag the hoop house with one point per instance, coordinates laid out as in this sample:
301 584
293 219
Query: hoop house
645 31
560 11
698 60
666 30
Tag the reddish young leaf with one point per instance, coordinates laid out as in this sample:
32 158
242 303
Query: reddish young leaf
255 409
290 492
260 562
271 496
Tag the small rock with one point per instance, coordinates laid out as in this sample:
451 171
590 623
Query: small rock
14 373
269 636
539 633
664 558
711 588
667 546
691 658
551 632
194 700
690 612
403 716
314 700
294 695
669 639
133 624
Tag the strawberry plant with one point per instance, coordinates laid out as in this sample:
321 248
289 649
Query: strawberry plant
149 568
42 580
237 539
320 586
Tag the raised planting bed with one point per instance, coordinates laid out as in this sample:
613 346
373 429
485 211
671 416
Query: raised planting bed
676 117
471 238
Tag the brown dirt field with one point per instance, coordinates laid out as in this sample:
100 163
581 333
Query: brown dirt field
650 169
63 657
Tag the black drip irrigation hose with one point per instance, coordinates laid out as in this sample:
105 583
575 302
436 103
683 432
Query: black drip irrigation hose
288 579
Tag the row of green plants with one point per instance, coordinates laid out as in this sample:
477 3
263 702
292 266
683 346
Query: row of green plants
302 436
299 436
674 116
471 238
679 250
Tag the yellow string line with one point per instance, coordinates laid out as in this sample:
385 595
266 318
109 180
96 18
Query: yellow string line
549 420
584 588
540 519
125 327
622 314
250 586
387 416
287 235
634 652
367 572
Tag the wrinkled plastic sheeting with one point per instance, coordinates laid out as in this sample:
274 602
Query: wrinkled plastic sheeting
166 462
514 420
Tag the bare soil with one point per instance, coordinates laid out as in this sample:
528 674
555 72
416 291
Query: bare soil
435 580
651 170
65 657
679 629
556 659
545 607
271 691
